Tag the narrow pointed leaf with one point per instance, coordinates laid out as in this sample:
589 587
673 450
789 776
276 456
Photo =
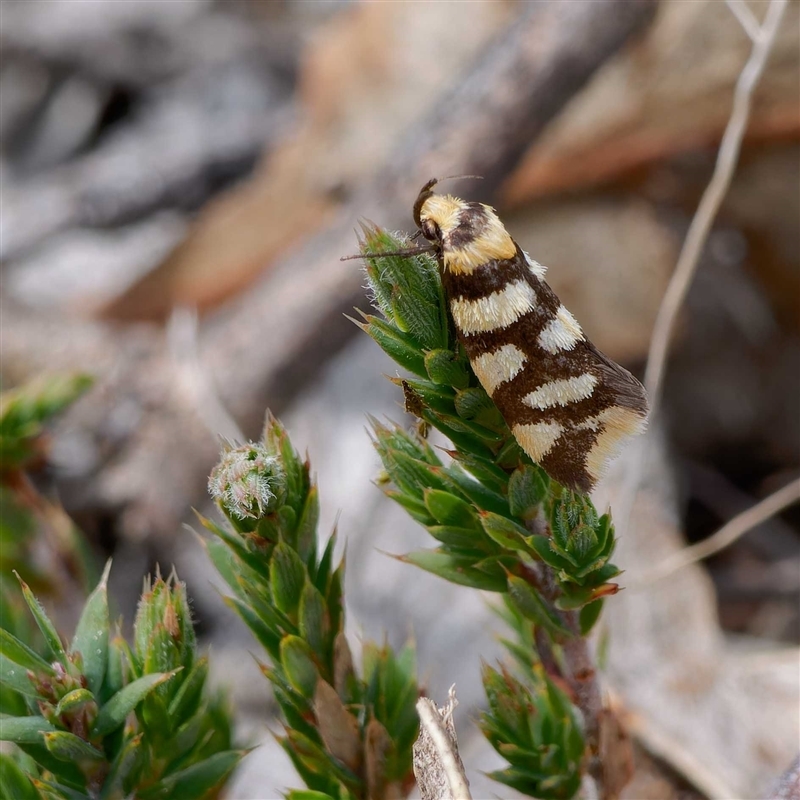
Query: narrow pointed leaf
122 767
287 577
58 790
399 346
187 698
51 637
67 746
269 639
485 470
476 493
313 621
462 539
449 509
223 560
74 700
67 772
16 677
505 532
578 598
413 476
19 653
465 441
454 569
298 663
114 712
115 668
197 780
306 533
14 783
236 543
533 606
415 508
91 634
541 545
24 730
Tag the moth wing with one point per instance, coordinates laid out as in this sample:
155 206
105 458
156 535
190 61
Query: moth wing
574 406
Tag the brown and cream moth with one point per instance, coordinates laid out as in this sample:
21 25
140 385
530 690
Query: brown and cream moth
570 407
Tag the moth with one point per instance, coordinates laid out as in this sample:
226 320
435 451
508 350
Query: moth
570 407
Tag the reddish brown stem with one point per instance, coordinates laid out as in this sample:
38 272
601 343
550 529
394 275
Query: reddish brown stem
579 672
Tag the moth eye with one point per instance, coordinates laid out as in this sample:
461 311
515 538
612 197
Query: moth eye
430 230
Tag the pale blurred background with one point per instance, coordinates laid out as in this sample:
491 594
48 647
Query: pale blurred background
179 180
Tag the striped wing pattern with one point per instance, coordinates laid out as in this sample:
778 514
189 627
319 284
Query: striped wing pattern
569 406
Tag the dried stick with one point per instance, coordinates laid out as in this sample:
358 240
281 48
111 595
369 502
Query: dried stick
747 19
437 765
725 536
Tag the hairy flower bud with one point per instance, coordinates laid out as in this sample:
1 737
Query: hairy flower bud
249 482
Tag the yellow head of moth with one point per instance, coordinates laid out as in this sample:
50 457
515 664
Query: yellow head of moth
467 235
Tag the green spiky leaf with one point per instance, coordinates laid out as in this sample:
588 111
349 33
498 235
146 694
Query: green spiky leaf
91 634
113 714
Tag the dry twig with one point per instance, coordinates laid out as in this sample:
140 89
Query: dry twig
725 536
747 19
437 765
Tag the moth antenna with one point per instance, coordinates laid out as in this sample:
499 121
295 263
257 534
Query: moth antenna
460 178
427 191
412 251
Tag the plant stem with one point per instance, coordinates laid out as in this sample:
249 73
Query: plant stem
580 673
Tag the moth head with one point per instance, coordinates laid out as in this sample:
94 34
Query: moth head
436 214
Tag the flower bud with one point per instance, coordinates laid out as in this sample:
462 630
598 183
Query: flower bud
248 483
163 634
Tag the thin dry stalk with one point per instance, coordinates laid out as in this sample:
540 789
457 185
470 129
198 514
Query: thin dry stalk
747 19
725 536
